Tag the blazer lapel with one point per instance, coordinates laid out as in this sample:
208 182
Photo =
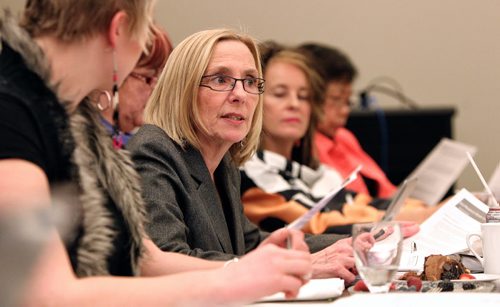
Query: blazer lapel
231 188
207 190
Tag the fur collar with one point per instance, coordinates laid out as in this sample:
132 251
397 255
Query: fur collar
102 172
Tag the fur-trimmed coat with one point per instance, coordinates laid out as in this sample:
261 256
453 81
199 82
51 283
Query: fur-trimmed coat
110 196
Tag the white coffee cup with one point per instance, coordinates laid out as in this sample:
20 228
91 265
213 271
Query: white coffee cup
490 237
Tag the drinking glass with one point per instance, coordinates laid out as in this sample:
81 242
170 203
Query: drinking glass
377 251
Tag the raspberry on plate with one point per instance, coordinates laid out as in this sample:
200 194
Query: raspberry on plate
466 276
414 281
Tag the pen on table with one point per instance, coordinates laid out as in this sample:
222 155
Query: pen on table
413 246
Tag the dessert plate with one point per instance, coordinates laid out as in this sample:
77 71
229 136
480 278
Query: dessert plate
478 278
428 286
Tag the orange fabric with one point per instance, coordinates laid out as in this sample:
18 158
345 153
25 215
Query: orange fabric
344 153
259 205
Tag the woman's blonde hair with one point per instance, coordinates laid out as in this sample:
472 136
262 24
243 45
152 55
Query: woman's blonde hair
304 151
72 20
173 104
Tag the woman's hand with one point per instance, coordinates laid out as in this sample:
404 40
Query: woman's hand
281 236
337 260
408 228
267 270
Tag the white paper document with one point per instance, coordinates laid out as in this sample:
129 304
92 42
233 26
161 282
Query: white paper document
315 289
445 231
440 169
299 222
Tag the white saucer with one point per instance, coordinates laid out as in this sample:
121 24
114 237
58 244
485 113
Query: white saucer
479 277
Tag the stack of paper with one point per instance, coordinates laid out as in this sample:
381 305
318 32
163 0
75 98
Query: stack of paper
445 231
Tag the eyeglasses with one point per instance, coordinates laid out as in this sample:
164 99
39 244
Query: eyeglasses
339 102
223 83
151 81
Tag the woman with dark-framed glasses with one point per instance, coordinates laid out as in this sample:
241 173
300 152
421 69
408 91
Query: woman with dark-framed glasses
204 120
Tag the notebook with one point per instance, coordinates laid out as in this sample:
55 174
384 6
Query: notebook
314 290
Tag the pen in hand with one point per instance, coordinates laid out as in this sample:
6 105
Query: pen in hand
380 233
288 240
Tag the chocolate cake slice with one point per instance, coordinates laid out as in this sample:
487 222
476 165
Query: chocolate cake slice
439 267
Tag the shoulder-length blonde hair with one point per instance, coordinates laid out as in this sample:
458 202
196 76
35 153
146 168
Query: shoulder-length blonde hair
173 103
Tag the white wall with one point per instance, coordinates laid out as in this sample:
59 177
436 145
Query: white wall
443 52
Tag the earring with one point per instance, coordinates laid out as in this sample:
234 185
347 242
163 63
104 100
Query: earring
117 142
108 97
242 143
115 81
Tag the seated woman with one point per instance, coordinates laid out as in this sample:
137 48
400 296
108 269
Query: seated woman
52 135
203 120
284 179
123 120
336 146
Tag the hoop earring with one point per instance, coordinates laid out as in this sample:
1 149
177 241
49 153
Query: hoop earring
115 81
116 117
108 97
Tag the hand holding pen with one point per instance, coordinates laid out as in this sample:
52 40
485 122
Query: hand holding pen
408 229
290 239
382 233
287 238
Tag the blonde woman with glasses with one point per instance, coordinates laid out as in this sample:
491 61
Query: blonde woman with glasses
204 120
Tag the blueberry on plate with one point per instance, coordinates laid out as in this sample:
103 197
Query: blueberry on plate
468 286
445 285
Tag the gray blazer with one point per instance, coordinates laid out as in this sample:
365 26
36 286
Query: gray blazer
184 209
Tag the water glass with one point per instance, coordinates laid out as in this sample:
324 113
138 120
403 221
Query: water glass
377 252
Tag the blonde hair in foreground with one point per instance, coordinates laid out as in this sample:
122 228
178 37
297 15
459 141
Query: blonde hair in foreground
73 20
173 103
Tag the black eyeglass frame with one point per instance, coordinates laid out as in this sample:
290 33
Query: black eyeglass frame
260 83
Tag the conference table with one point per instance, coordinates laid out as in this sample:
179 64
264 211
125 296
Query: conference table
406 299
